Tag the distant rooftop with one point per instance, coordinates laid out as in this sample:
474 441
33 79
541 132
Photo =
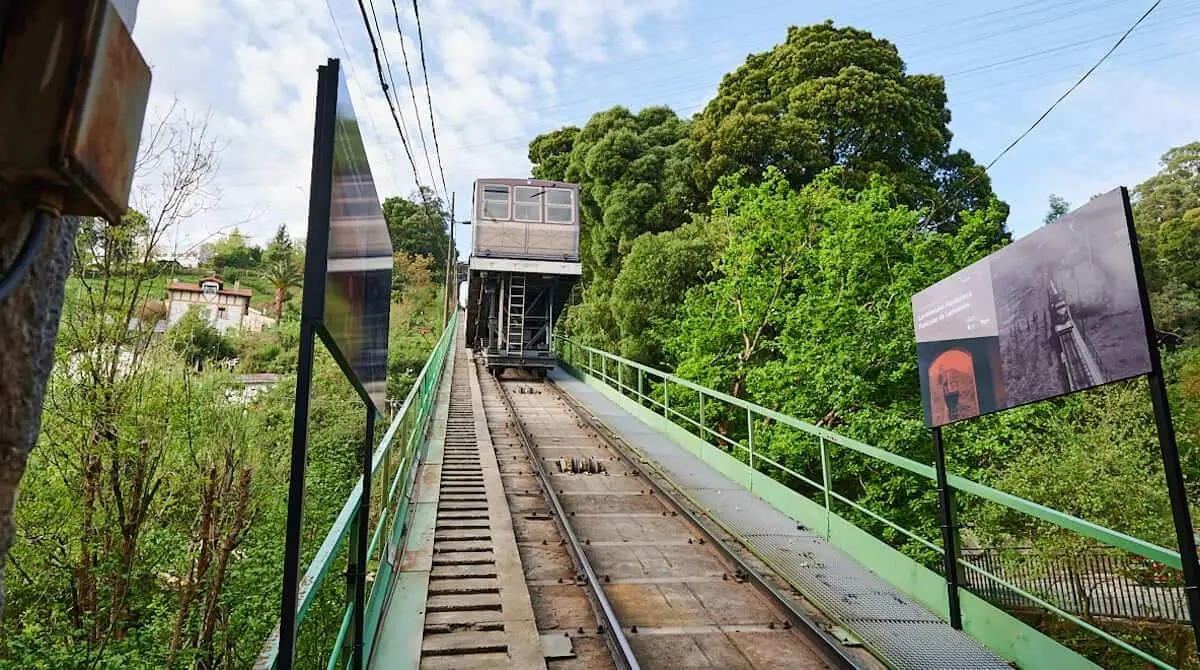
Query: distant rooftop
199 287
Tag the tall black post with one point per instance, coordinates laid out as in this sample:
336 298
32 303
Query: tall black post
295 513
1177 493
360 549
1182 517
949 531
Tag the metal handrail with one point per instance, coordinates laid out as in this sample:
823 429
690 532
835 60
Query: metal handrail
1083 527
419 398
1061 519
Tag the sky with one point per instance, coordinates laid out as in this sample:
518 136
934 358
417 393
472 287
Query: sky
501 72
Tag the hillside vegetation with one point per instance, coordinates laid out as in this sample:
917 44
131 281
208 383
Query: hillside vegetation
768 248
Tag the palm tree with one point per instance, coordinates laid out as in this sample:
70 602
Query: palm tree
283 273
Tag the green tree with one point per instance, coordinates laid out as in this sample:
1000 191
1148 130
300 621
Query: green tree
551 153
418 227
280 246
233 253
1058 207
809 313
283 273
198 341
831 97
654 279
1166 212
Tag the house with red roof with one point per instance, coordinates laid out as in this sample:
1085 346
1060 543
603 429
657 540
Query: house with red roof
225 308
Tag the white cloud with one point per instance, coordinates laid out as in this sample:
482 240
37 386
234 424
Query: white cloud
252 64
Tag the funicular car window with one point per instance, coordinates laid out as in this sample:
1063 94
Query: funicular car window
495 201
559 206
528 203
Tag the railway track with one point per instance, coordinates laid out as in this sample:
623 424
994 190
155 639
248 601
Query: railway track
612 572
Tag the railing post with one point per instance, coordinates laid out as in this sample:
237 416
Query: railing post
703 432
750 442
949 531
641 391
666 397
604 368
591 366
826 480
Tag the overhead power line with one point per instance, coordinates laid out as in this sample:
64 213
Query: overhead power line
383 84
428 97
978 175
1074 86
413 94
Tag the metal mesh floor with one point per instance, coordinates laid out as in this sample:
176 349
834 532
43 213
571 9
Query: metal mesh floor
904 633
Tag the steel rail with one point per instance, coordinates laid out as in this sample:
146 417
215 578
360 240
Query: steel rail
824 644
622 652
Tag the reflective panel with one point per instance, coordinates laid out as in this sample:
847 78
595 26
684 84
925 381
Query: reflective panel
358 269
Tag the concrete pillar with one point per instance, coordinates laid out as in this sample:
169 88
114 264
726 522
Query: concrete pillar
28 330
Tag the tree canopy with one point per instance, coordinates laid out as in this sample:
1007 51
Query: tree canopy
418 226
832 96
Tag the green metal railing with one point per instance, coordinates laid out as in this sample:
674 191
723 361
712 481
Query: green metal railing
656 389
394 463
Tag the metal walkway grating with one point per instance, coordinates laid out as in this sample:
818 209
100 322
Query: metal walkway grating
902 632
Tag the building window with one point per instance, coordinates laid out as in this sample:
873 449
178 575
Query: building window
220 312
528 204
560 206
495 201
210 288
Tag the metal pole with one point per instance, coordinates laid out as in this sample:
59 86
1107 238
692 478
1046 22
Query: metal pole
641 392
451 286
1178 494
295 513
949 531
750 439
363 527
1166 440
826 479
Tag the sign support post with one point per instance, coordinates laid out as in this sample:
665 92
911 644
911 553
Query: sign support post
1180 513
361 542
949 530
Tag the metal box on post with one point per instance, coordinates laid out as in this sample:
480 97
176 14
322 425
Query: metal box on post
75 94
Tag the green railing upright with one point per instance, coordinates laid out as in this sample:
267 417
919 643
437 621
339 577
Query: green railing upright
394 465
655 389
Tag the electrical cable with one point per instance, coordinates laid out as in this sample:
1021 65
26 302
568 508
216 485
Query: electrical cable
981 173
413 94
1075 85
383 84
428 97
29 248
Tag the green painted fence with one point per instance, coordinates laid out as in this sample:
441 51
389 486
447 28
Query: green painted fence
647 393
394 464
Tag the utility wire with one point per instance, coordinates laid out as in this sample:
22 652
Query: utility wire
981 173
391 88
391 106
413 94
1075 85
428 97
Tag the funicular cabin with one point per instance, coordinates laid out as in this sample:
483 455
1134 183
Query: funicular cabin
524 262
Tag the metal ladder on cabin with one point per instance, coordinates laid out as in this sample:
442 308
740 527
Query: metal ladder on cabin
516 315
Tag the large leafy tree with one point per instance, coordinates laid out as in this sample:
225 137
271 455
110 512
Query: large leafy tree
551 153
418 226
809 313
1166 211
833 96
630 169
